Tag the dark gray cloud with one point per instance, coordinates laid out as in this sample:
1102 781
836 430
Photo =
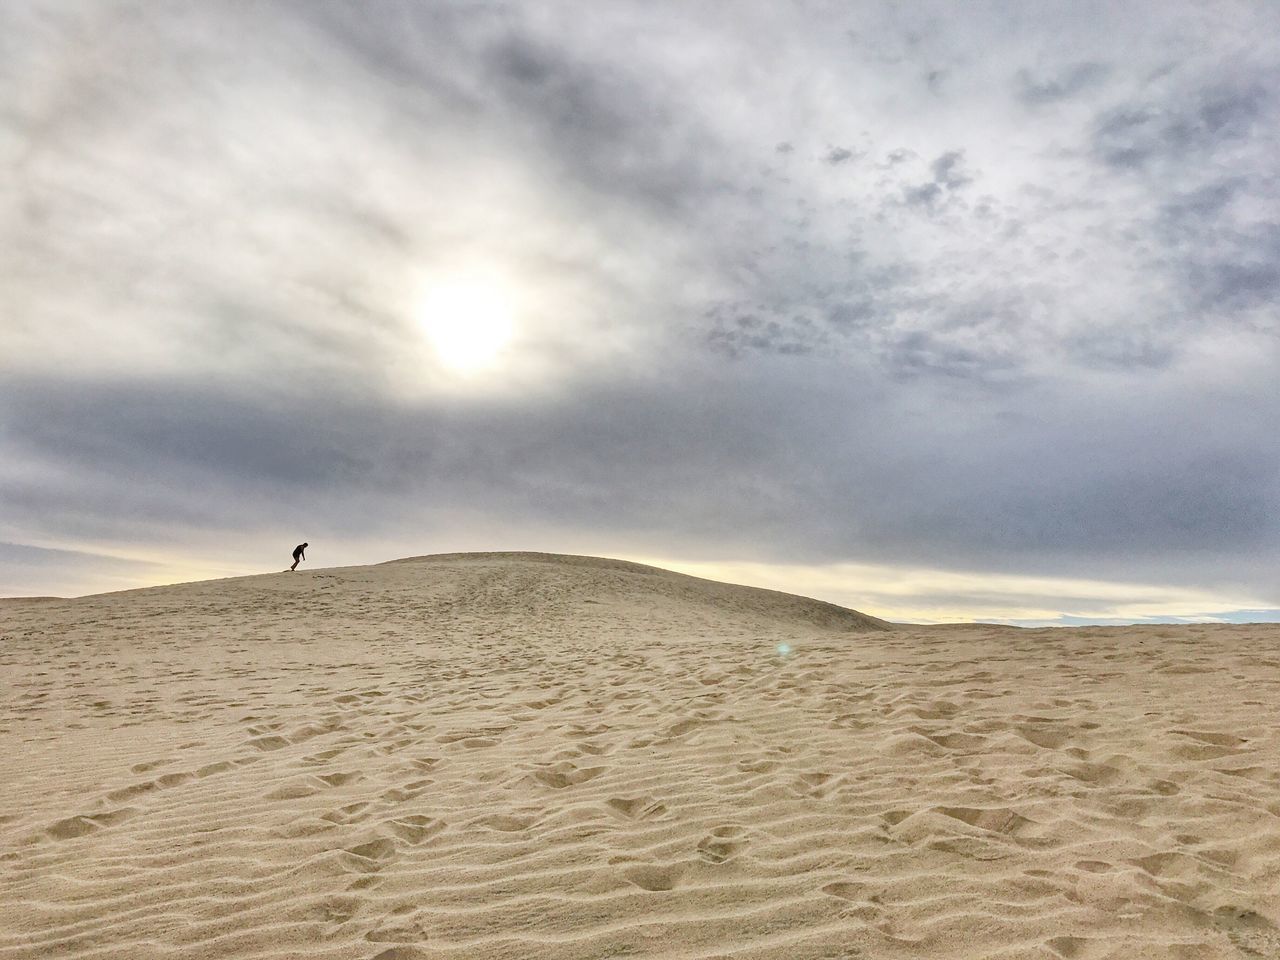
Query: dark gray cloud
948 177
980 292
796 460
928 195
948 170
1181 128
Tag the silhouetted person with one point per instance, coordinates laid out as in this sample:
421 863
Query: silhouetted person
299 553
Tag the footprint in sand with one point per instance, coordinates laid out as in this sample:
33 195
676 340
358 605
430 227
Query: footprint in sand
1094 866
815 783
351 813
409 791
136 790
655 878
292 791
1216 739
472 738
339 779
80 826
1047 739
758 766
722 845
1094 774
398 953
636 808
845 890
1250 932
567 774
1068 948
151 765
338 909
415 829
369 857
208 770
268 743
506 823
956 741
995 819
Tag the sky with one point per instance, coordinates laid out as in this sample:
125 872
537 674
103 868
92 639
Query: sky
940 311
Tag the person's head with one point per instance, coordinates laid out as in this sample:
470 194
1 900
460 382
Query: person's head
306 544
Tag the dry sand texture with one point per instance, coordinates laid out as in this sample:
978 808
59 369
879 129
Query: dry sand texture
525 756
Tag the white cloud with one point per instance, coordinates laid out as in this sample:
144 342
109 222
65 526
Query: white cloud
1005 300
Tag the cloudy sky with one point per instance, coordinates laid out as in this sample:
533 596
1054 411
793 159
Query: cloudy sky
941 311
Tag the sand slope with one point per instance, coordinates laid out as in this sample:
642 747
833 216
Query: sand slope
528 756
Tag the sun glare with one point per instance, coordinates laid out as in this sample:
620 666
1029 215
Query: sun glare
468 323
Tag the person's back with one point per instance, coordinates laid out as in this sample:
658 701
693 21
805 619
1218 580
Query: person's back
299 553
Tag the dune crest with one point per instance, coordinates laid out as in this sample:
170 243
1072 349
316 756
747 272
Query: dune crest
532 756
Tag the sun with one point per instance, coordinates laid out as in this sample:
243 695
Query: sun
468 322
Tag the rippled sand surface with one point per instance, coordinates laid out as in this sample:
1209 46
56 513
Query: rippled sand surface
531 756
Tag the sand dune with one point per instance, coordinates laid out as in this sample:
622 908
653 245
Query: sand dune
531 756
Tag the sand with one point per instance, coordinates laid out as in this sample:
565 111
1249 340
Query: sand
529 756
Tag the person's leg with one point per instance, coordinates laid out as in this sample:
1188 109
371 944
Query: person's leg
295 565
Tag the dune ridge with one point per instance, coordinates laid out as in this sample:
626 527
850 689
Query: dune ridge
529 756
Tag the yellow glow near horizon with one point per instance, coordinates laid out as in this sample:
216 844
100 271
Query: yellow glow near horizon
468 321
923 595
